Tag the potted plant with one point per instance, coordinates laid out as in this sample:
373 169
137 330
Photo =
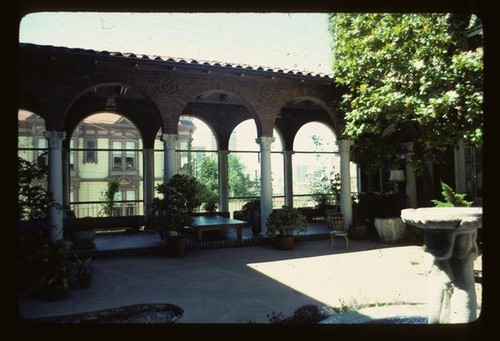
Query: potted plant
172 213
281 225
211 205
42 263
326 194
54 270
251 213
83 274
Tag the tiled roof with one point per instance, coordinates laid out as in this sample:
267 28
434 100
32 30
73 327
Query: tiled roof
193 62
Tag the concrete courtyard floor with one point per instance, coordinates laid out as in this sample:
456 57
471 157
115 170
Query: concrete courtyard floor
243 285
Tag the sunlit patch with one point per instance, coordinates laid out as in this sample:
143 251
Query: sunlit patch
381 276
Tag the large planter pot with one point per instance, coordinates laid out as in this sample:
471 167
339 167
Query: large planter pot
176 246
390 229
255 223
284 242
83 239
358 232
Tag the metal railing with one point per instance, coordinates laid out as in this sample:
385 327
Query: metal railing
125 208
122 208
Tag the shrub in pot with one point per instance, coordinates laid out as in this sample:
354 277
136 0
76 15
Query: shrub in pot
283 223
172 212
251 213
43 266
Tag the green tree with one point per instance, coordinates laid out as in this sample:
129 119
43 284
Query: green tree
407 77
108 198
209 178
240 183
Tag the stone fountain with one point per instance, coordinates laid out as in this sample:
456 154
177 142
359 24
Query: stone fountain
450 241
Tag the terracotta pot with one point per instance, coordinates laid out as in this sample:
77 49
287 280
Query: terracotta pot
176 246
284 242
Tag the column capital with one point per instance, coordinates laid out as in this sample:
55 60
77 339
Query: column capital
170 140
55 138
265 142
344 145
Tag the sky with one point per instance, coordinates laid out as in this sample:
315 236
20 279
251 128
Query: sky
289 41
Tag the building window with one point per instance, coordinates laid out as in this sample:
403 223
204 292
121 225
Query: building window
123 158
130 155
90 151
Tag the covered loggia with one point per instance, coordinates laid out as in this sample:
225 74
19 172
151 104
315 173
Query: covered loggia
154 94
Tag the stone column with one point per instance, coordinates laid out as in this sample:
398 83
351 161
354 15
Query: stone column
411 180
287 159
170 161
55 182
460 186
266 189
223 181
451 248
345 178
149 179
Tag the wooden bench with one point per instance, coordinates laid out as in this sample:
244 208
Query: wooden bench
214 222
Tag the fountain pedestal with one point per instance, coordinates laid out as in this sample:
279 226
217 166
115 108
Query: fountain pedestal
450 242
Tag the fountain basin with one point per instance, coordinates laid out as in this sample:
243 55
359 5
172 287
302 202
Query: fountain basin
138 313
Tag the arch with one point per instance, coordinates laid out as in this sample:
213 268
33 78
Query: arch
220 96
28 102
119 98
315 161
297 112
197 155
205 137
248 130
105 147
305 141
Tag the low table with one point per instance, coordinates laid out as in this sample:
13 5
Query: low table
211 223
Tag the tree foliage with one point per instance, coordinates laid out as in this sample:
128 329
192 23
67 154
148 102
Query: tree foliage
240 182
34 198
407 77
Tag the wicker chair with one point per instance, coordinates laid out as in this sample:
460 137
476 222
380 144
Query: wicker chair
337 228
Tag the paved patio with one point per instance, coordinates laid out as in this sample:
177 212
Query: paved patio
242 285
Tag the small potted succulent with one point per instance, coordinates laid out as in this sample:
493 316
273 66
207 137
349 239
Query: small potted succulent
83 272
283 223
